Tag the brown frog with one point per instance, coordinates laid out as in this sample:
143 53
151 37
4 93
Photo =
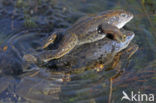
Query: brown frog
89 55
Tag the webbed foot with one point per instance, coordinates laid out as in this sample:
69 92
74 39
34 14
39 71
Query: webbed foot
30 58
50 40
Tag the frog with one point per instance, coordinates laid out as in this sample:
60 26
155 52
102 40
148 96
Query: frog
99 54
86 30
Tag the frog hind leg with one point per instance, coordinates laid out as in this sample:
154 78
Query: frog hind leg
50 40
46 56
68 43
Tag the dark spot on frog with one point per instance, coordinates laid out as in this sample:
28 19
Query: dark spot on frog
110 36
99 29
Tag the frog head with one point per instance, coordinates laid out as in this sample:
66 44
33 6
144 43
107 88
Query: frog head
88 28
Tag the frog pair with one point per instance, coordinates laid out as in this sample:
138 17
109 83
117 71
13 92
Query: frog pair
86 30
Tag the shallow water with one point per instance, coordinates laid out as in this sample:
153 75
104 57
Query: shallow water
39 85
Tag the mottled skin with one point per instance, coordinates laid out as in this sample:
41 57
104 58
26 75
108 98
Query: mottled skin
86 30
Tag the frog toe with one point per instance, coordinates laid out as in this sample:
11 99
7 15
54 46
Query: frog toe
30 58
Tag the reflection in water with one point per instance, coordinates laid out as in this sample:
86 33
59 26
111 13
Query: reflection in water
39 84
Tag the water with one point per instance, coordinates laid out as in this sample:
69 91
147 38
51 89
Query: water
22 22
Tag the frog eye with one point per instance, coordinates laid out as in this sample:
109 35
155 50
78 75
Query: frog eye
99 29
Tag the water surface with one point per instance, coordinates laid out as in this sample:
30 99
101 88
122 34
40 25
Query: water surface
40 18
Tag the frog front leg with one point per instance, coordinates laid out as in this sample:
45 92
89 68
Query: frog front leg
112 32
